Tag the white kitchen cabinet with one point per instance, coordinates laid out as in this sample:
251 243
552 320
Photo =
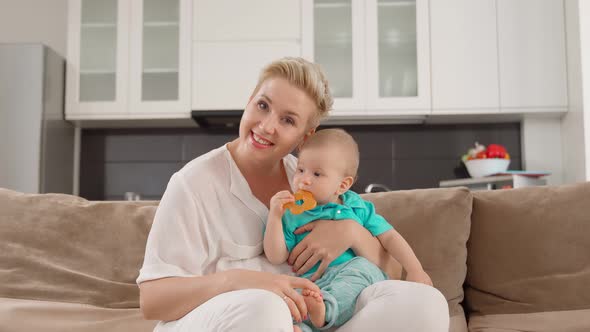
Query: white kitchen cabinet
532 55
398 57
375 53
128 59
160 58
253 20
334 37
226 73
233 41
97 66
464 55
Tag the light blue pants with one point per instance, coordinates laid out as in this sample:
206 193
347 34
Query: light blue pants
341 285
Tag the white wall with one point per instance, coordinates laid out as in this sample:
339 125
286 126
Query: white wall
584 17
542 146
572 126
35 21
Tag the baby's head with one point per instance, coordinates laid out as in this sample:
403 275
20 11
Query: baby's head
327 166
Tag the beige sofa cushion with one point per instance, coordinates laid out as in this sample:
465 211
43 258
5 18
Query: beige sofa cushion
529 250
436 224
18 315
552 321
63 248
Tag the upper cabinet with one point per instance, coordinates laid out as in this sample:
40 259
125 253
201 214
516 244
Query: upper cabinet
491 56
128 59
149 59
532 55
375 53
233 41
464 54
398 56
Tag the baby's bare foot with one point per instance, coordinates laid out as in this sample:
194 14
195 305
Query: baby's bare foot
315 306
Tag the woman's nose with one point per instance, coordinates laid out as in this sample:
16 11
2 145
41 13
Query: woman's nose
267 124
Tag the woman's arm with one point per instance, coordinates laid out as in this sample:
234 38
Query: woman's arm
171 298
329 239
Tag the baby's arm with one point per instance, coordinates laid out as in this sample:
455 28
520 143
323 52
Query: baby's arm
399 248
275 247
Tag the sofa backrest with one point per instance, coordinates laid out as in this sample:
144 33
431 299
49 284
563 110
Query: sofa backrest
529 250
436 224
64 248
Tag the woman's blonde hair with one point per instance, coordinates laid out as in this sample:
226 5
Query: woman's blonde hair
305 75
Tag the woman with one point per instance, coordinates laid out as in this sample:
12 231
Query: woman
204 269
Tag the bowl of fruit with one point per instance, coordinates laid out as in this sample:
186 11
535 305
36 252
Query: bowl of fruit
484 161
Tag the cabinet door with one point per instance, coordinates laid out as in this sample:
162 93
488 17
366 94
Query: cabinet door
464 56
98 50
160 58
532 55
225 73
252 20
398 56
333 36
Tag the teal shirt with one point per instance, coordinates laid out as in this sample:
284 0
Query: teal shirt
353 207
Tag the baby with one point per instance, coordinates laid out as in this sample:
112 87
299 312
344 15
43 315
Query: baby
327 166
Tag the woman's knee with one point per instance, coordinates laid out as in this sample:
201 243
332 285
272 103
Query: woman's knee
262 309
430 305
421 307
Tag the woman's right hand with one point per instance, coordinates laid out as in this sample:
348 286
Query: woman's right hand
282 285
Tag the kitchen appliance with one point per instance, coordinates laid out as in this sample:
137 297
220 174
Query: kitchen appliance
36 144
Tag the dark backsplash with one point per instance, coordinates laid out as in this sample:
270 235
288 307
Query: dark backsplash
115 161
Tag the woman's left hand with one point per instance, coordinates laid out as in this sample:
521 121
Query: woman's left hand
328 240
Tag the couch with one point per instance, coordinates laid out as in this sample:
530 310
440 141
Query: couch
506 260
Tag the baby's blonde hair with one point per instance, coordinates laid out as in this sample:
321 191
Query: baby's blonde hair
305 75
340 139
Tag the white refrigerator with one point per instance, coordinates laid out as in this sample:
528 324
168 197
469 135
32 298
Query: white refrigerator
36 144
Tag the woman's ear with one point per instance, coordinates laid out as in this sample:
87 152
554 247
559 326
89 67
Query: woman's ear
305 137
345 184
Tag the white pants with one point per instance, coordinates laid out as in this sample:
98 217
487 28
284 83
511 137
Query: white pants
385 306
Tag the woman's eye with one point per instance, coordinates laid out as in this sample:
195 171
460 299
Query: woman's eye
262 106
300 170
289 121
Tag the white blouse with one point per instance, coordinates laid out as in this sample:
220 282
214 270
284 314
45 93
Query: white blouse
209 221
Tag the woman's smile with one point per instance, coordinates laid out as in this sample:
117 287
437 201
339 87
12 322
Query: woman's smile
259 141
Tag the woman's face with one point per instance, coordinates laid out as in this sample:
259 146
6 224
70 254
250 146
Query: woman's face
276 120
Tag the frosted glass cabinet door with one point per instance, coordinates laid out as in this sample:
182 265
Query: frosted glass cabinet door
97 52
160 45
333 37
398 55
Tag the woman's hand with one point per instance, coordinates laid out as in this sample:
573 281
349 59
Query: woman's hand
328 240
282 285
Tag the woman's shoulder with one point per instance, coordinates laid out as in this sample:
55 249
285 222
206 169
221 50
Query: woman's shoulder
207 166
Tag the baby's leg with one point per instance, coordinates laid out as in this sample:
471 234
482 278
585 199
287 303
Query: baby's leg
342 285
315 306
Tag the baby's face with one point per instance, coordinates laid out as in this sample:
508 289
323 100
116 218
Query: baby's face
321 171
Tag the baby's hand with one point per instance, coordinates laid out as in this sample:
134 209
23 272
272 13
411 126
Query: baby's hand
278 200
419 276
